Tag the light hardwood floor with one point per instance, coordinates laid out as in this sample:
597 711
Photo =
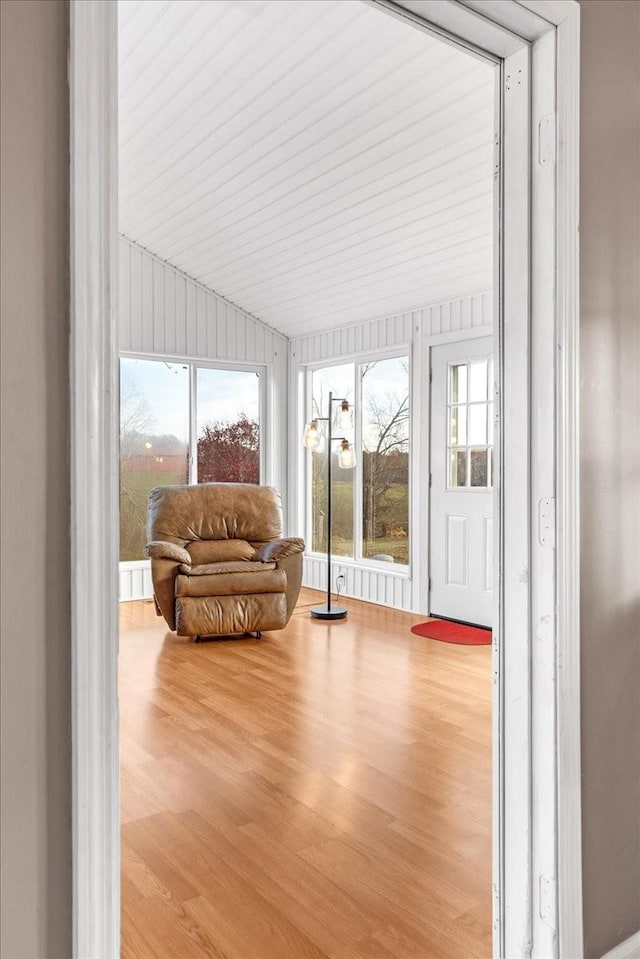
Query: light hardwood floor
322 792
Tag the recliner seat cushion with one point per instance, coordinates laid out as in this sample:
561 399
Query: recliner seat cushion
211 569
232 584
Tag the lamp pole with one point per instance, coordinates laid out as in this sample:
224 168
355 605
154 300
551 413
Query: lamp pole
328 611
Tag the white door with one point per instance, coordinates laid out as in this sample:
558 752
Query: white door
461 494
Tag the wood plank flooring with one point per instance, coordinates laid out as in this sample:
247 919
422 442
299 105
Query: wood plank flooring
322 793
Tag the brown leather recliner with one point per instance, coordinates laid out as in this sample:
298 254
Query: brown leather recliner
219 564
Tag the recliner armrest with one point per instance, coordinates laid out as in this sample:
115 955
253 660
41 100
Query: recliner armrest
159 549
278 548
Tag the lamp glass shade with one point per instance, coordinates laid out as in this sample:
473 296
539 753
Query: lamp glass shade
312 436
346 459
344 418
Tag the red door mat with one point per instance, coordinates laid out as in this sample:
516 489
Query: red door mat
448 632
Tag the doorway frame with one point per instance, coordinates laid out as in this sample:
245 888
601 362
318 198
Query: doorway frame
537 854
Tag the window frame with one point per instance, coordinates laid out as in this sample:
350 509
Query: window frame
308 416
194 364
356 360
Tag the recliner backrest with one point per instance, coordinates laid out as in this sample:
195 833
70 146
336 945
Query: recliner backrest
214 511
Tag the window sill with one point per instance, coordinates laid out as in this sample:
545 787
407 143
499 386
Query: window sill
390 569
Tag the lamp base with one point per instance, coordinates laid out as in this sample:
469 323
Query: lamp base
324 612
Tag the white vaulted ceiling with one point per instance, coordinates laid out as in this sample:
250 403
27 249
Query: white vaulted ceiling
317 162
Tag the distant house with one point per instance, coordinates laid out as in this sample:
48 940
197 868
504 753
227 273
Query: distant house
157 460
152 454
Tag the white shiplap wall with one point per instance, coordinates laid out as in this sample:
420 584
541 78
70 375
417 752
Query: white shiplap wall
449 316
416 331
165 313
162 310
135 581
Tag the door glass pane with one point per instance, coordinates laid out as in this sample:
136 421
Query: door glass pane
458 425
154 441
458 384
385 460
478 424
228 426
477 380
340 381
470 413
479 467
458 468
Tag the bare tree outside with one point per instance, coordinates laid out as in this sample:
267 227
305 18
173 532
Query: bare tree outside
385 459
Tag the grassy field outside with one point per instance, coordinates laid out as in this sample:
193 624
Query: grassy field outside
391 528
134 492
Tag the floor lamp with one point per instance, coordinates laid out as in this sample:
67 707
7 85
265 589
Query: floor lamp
346 460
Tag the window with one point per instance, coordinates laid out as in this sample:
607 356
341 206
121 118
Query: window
338 380
470 418
161 445
370 503
385 460
154 441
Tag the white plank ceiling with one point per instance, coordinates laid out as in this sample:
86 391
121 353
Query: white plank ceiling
317 162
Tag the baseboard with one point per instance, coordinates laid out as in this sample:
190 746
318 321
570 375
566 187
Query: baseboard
629 949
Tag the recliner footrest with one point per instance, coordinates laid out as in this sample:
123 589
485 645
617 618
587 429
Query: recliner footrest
225 616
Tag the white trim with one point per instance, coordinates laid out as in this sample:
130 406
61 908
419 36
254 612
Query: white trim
456 23
569 784
94 503
456 336
543 489
629 949
394 351
512 527
516 17
193 432
241 366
